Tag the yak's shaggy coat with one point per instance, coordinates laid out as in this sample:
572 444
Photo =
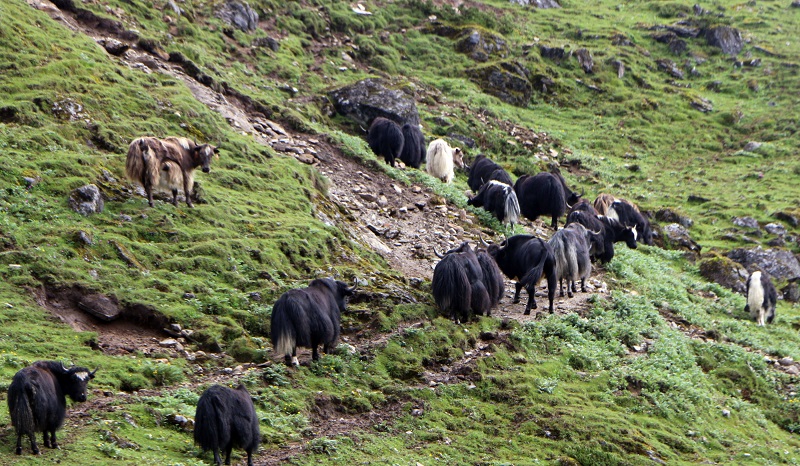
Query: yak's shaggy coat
761 298
441 160
37 399
167 164
226 418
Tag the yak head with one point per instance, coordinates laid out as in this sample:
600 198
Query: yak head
458 157
340 290
79 377
203 154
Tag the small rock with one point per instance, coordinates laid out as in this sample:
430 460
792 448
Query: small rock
255 296
787 361
30 182
793 370
84 238
382 201
751 146
86 200
175 328
113 46
746 222
369 197
397 189
726 413
775 229
417 412
168 343
416 190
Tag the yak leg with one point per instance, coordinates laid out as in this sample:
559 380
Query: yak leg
53 443
46 439
554 223
19 444
149 191
228 450
217 459
531 299
249 458
175 197
314 353
186 192
583 285
570 288
518 287
551 290
34 447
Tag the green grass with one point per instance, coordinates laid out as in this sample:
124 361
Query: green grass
565 390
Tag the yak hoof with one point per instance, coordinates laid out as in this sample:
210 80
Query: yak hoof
569 294
295 362
515 301
19 450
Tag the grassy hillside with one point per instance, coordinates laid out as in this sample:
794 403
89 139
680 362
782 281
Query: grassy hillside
619 384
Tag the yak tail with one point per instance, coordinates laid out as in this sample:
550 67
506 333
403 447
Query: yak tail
211 426
511 210
283 328
451 289
20 409
141 163
534 274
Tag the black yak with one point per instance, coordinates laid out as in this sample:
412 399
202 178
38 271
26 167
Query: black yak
458 285
541 194
414 150
585 206
492 278
385 138
442 160
629 215
37 403
526 259
571 197
167 163
226 418
761 298
482 170
571 250
308 317
499 199
611 232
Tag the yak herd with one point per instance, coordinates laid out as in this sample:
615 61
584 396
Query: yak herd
466 281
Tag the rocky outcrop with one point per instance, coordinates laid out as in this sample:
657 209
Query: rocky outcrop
371 98
726 272
553 53
481 45
779 263
101 306
746 222
669 67
509 81
585 60
676 236
726 38
670 216
86 200
239 15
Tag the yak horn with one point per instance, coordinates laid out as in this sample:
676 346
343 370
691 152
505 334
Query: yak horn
438 254
483 241
91 374
355 286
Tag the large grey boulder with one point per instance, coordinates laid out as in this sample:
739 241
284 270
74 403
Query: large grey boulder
726 38
371 98
101 306
509 81
238 14
86 200
585 60
779 263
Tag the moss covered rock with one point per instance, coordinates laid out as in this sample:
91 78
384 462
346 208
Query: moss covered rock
371 98
510 81
720 269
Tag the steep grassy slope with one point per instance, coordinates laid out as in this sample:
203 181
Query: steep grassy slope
621 384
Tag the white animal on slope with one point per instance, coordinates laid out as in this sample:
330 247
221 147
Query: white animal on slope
441 160
761 298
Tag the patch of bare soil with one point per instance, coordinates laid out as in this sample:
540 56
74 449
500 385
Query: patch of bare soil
133 331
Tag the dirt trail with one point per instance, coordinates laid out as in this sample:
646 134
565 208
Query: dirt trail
401 223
